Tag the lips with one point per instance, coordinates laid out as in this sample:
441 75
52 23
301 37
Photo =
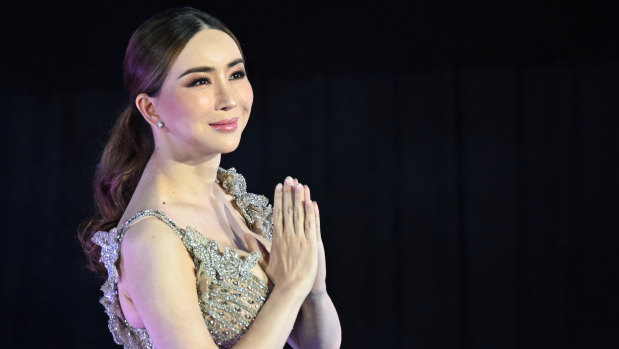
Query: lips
224 122
226 125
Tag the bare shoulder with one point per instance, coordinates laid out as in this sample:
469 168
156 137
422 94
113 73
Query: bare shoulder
149 230
159 277
151 242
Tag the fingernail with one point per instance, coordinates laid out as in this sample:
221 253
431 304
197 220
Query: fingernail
278 187
288 180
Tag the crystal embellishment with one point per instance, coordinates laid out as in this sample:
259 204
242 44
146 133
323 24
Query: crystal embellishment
229 293
256 209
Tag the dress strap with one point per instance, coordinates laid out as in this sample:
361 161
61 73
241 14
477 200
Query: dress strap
110 242
151 213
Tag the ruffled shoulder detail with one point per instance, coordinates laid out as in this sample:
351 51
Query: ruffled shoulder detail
122 332
256 209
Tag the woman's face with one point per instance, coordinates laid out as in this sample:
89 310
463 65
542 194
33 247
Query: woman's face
206 98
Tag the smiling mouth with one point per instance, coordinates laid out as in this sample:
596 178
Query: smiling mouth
227 125
224 122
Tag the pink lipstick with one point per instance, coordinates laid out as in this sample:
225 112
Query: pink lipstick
227 125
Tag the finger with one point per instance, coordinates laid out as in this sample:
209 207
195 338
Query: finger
299 211
277 210
310 219
317 218
255 246
294 183
288 205
306 193
301 192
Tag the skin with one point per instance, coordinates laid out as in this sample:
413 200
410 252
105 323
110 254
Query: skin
179 180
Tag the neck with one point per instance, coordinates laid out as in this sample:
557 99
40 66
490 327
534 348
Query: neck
183 182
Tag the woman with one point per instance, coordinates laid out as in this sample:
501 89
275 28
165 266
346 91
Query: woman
204 286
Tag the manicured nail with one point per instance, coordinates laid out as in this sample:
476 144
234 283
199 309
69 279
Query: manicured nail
288 180
278 187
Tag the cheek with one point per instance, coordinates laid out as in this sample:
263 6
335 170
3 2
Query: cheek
202 101
169 105
247 94
184 105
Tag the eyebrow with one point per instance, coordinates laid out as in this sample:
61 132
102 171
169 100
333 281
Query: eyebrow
209 69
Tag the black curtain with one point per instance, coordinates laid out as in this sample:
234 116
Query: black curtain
467 181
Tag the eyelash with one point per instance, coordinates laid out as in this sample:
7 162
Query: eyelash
199 81
240 74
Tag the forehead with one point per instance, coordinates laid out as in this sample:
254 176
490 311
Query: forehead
208 47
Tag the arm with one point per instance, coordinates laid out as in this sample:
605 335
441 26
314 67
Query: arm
159 277
317 325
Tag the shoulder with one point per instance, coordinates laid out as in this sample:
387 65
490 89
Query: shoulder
151 238
151 250
159 278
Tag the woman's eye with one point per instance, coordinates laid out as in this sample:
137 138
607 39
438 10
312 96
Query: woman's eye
237 75
199 81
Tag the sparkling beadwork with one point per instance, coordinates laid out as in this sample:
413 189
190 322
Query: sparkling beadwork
230 295
255 208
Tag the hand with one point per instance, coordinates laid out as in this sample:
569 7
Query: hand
319 285
293 261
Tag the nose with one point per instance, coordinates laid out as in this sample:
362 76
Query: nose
225 96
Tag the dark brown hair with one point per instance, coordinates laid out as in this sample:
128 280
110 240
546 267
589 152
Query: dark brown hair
151 51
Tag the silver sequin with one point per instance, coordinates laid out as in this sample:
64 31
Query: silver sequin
221 277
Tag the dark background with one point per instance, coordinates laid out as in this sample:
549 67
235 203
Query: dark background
464 154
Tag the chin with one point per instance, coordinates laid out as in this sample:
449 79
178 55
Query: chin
229 146
229 149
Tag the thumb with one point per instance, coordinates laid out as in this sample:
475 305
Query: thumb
255 245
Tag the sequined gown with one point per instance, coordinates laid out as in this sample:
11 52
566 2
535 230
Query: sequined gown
230 295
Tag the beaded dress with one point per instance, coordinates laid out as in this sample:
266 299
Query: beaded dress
230 295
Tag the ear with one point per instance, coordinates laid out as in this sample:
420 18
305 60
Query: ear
146 106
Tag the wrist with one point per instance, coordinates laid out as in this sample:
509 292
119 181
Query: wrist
315 298
317 294
318 291
291 293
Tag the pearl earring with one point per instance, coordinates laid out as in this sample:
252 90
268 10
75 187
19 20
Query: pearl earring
160 124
